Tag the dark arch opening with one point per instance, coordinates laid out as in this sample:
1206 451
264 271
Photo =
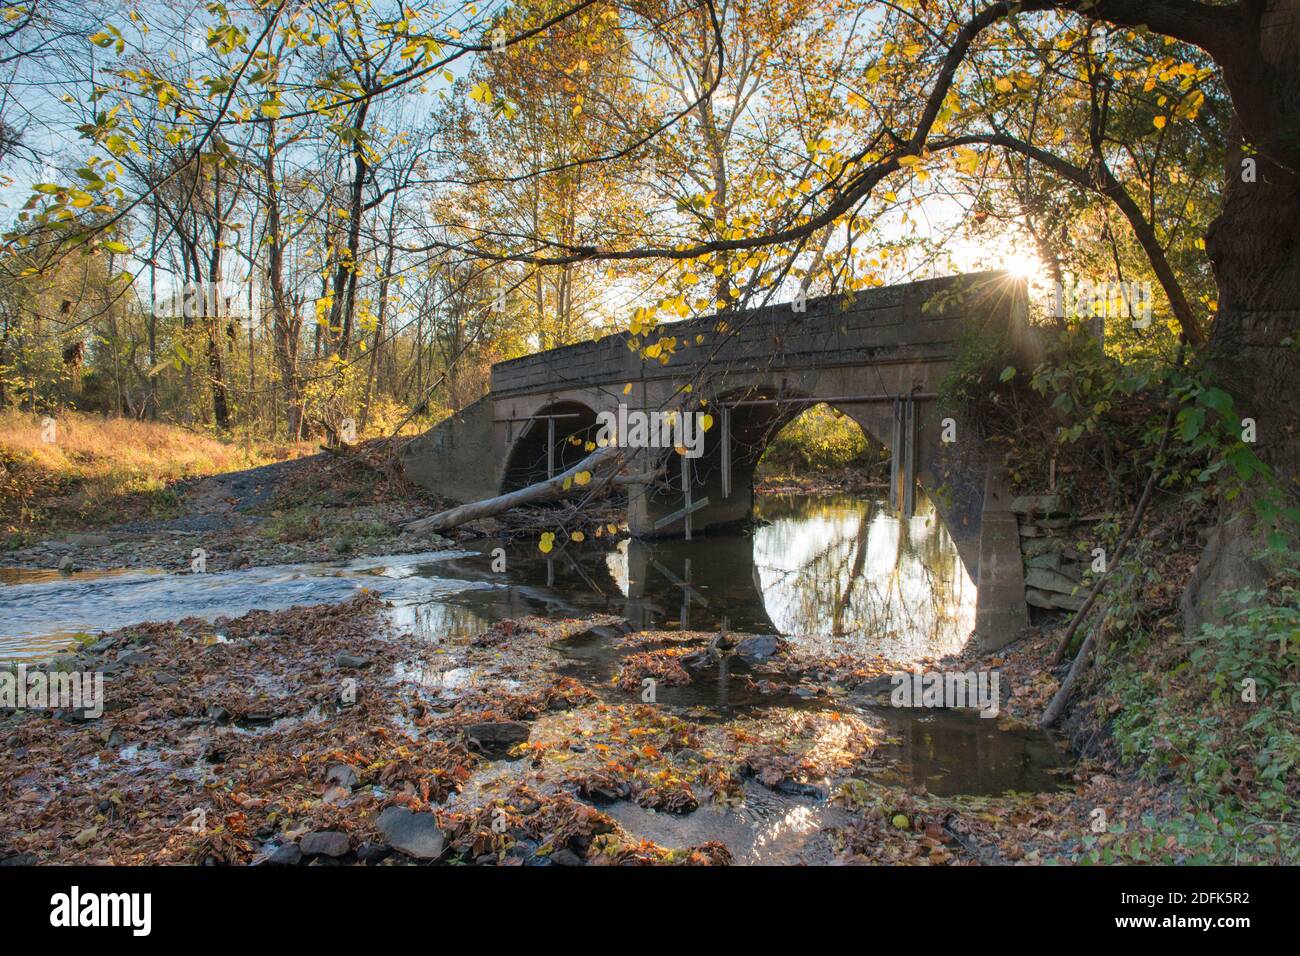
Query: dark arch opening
575 427
755 419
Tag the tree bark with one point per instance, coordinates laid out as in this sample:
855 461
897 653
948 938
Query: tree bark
1254 248
285 329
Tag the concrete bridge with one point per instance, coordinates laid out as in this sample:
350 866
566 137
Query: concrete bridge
879 357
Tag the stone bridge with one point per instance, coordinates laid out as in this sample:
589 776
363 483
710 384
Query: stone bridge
878 357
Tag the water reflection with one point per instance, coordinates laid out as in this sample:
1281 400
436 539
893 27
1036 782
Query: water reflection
849 576
836 573
956 753
841 574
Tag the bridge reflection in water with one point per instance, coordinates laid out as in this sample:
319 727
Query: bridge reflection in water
836 573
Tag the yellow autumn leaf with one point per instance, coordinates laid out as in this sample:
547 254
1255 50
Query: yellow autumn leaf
582 478
706 421
1159 122
547 542
577 536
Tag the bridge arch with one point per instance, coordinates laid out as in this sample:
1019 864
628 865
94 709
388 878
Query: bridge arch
819 436
546 442
747 420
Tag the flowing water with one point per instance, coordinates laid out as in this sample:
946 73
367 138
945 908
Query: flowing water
832 572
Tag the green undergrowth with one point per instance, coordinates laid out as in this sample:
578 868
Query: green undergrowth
1215 715
1209 715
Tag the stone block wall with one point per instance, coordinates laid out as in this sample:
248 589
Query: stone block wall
1057 567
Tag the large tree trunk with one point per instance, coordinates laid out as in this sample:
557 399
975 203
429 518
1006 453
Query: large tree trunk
1254 246
345 274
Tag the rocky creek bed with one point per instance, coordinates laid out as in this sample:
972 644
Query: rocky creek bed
324 735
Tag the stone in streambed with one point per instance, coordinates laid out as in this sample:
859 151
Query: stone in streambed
758 648
342 775
372 854
287 855
414 834
329 843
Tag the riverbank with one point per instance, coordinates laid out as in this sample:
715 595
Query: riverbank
317 507
776 481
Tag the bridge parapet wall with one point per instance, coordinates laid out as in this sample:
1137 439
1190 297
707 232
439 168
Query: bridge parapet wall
919 321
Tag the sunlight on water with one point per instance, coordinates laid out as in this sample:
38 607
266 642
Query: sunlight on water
39 613
844 574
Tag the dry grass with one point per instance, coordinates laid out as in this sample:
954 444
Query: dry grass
100 470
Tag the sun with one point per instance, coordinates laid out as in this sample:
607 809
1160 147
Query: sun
1022 264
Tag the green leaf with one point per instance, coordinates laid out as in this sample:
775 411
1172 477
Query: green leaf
1191 420
1217 399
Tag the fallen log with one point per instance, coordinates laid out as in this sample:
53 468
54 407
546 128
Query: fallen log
605 460
1057 707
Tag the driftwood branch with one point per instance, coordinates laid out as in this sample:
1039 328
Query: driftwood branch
1057 707
603 464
